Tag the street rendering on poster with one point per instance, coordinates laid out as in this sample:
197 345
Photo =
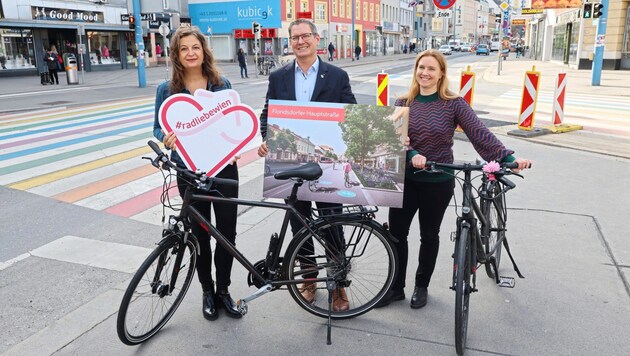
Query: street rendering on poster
358 147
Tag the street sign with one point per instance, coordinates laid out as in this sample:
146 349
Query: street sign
444 4
164 30
504 6
143 17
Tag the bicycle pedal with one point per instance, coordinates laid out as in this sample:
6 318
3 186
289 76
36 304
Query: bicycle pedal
507 282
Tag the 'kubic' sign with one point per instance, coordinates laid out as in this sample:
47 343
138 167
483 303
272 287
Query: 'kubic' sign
53 14
226 16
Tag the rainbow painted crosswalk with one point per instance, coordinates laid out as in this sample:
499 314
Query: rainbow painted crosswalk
89 156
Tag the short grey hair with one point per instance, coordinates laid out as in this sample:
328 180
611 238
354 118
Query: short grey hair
301 21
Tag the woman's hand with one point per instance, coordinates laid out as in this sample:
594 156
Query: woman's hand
406 141
522 164
418 161
169 140
236 158
263 150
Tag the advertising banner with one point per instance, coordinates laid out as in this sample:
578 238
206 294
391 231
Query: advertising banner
226 16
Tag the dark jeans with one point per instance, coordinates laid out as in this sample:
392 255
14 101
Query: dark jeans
333 238
243 70
226 224
430 200
54 78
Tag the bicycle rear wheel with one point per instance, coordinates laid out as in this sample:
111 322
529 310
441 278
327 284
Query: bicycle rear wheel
462 274
151 299
493 210
356 253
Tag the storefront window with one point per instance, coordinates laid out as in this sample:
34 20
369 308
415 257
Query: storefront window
559 42
16 48
103 47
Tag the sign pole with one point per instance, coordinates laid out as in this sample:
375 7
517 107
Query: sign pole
142 78
598 59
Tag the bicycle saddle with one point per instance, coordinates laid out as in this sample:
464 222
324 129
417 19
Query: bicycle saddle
309 171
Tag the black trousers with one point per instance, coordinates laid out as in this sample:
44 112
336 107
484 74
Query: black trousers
430 200
334 239
54 78
225 215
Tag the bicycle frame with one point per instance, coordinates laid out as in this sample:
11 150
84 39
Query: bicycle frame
191 211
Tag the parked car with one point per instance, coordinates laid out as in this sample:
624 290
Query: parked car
446 50
483 49
466 47
495 46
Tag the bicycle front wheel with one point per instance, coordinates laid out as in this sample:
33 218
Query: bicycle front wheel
356 254
462 272
493 210
152 296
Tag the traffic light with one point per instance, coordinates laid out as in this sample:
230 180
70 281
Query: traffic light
256 30
597 10
587 11
132 22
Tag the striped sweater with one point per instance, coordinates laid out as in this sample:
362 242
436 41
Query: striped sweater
432 124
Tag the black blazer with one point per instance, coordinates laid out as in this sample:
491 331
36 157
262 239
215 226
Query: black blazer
332 86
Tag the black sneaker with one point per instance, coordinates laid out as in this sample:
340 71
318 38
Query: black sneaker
390 296
419 297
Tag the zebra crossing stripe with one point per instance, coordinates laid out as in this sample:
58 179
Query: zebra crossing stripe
30 118
71 121
88 166
61 156
87 190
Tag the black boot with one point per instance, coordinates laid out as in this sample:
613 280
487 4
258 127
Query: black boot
390 296
419 297
209 305
225 301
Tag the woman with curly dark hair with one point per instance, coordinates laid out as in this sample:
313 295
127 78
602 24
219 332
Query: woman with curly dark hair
194 69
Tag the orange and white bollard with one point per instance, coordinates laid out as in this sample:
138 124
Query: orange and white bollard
557 115
529 100
382 89
467 86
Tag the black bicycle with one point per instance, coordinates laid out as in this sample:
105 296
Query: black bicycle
337 247
480 235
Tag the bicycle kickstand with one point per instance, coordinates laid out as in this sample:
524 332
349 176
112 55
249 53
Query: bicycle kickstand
330 286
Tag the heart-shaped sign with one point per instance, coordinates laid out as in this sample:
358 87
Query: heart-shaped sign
211 127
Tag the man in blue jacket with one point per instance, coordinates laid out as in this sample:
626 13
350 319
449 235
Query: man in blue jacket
308 78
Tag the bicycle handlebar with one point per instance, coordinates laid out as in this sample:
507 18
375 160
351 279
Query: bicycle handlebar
500 175
204 182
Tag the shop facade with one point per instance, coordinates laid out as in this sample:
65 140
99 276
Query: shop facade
93 34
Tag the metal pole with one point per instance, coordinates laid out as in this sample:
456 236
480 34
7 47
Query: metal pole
81 31
352 44
142 79
598 60
501 47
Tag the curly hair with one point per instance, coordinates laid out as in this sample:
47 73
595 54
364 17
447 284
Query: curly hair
443 91
208 67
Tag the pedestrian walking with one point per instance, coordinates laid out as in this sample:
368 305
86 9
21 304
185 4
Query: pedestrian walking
310 79
331 51
194 68
158 50
357 52
242 62
434 113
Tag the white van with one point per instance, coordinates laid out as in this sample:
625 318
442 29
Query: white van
495 46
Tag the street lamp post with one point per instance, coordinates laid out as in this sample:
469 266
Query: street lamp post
352 44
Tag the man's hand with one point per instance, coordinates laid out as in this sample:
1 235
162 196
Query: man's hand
263 150
418 161
169 140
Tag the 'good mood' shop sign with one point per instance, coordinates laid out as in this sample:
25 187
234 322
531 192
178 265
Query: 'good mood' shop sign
53 14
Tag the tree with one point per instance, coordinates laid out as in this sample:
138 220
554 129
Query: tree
367 127
283 141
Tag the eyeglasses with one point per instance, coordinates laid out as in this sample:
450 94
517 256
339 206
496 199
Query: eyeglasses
305 37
